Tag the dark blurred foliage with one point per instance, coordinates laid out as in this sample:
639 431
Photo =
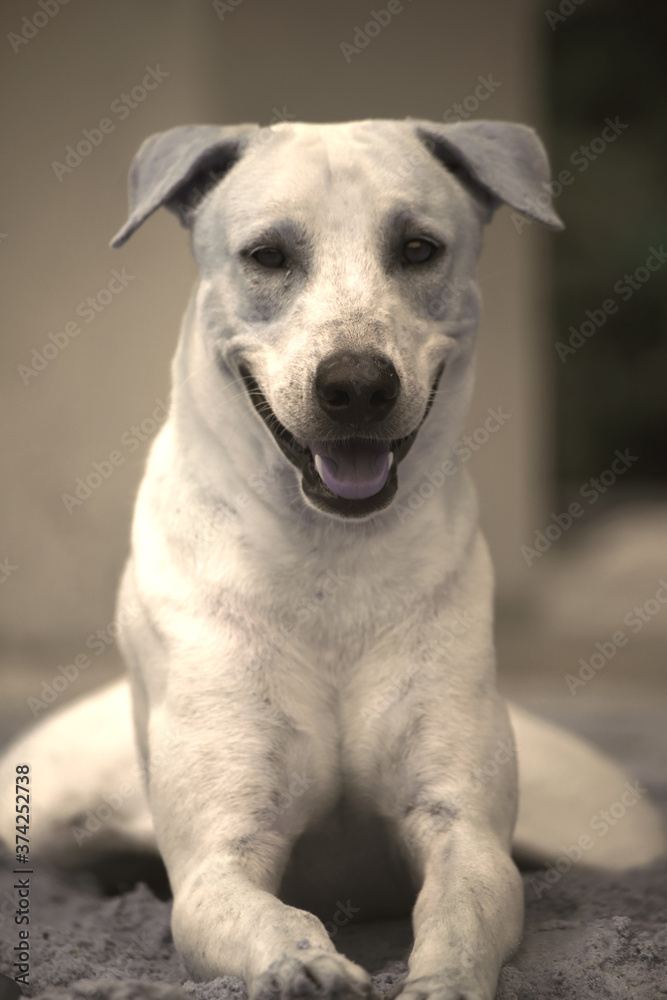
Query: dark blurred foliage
608 60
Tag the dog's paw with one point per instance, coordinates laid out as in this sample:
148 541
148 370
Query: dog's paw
313 975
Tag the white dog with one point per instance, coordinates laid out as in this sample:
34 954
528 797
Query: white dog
312 671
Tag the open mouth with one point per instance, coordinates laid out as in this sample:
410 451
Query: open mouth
351 476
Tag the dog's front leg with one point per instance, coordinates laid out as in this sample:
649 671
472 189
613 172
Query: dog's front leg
228 800
468 916
227 921
455 832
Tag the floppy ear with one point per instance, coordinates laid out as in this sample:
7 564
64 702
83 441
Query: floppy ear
507 161
169 165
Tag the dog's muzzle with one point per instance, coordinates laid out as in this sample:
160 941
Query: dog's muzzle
355 474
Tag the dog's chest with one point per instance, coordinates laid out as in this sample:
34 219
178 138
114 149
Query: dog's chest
333 602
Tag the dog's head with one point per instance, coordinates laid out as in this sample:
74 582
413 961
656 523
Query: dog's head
337 279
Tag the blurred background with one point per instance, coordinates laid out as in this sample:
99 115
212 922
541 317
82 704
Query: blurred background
573 342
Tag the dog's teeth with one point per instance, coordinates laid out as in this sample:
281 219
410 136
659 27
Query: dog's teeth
318 465
391 460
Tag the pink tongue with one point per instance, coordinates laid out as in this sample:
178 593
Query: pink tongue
355 470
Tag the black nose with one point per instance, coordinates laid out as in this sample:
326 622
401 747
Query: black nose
356 388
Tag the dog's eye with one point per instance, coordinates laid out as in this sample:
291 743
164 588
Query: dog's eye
418 251
268 256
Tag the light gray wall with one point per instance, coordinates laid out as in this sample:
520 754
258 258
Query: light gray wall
260 59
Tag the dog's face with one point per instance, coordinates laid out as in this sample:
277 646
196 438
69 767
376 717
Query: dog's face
328 255
337 286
